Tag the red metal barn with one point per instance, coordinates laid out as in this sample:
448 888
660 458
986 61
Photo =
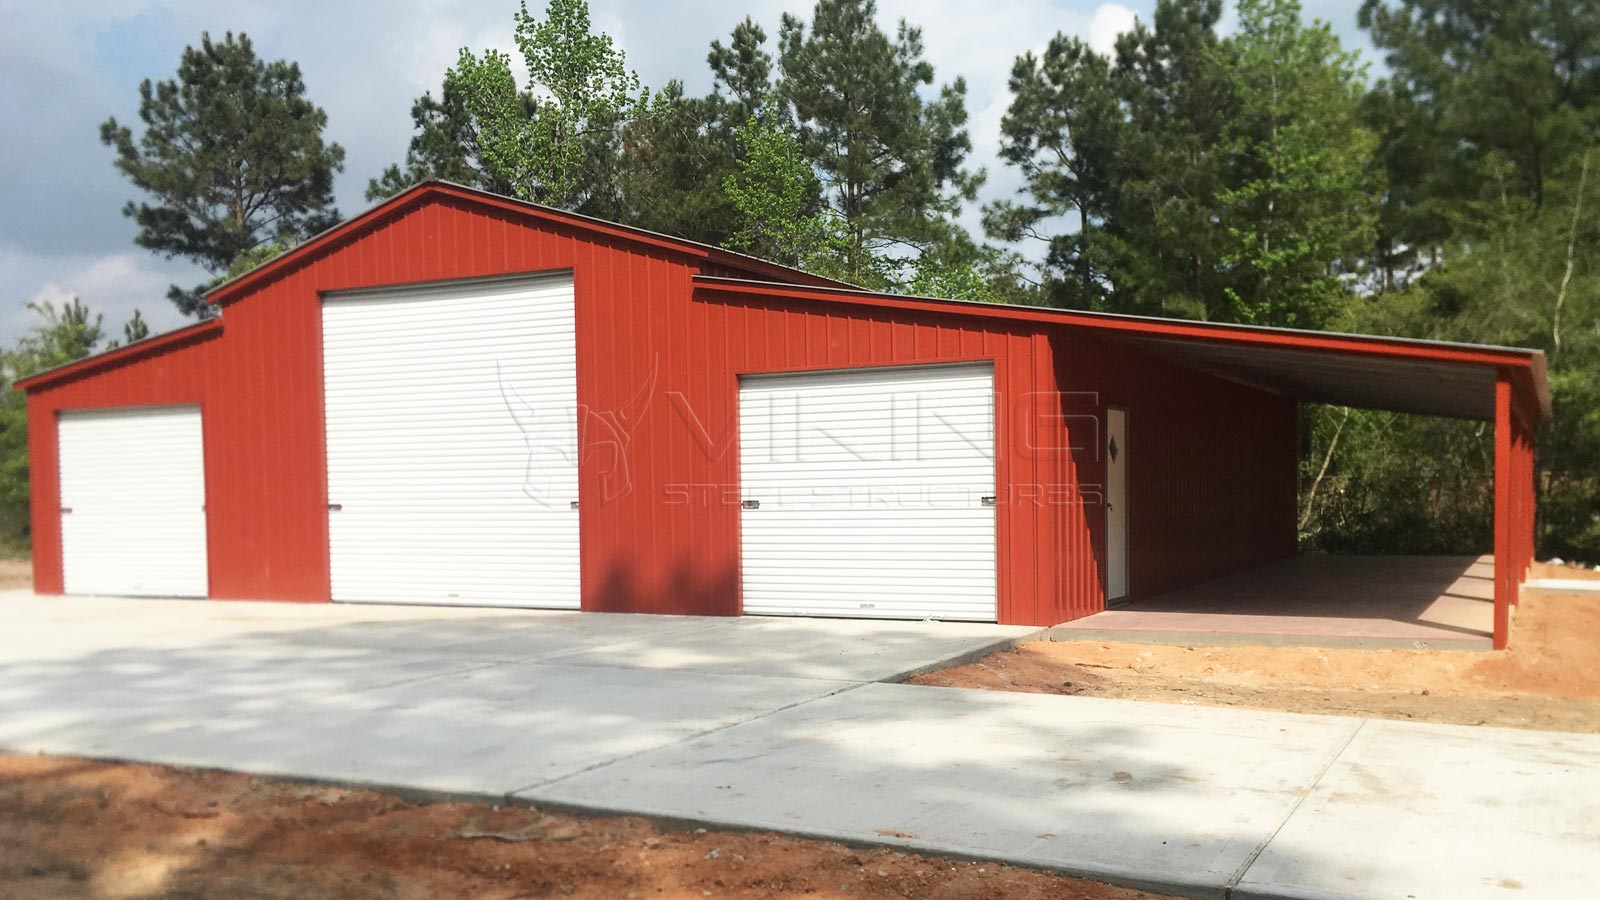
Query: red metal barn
461 398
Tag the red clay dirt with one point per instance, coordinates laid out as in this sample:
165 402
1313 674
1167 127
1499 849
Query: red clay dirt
1549 679
80 829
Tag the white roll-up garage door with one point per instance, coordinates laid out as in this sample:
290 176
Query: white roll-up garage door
869 493
133 495
453 444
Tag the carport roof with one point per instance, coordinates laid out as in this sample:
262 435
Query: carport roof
1437 378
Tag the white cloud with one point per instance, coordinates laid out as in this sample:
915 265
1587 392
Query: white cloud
113 285
1110 20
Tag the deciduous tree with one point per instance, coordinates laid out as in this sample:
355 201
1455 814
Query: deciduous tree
556 140
1298 210
63 333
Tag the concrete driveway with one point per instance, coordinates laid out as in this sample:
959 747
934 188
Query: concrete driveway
458 700
784 724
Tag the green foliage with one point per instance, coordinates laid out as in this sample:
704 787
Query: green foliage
1481 98
1490 228
445 146
1249 178
890 162
1253 178
1193 175
1395 484
677 161
554 141
135 329
1298 210
743 67
66 333
958 269
774 197
1061 132
672 167
231 156
867 172
63 334
255 256
1173 81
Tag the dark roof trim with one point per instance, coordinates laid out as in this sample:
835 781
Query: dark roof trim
116 356
1529 362
421 193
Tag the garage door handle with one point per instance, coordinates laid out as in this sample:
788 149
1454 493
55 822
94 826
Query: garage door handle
65 510
750 504
335 507
989 501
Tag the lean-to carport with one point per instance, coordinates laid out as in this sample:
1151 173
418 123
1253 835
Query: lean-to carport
1503 385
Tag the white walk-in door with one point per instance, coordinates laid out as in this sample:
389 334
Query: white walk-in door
133 502
869 493
1116 457
453 444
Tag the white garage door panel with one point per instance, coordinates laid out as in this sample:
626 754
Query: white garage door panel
133 496
452 445
870 485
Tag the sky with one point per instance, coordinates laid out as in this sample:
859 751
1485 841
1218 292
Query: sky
66 67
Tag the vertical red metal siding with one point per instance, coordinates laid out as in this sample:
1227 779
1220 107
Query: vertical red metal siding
670 542
1212 470
177 375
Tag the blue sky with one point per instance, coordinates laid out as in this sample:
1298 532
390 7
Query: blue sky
65 67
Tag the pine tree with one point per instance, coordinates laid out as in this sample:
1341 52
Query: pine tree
445 146
1172 77
890 162
231 156
1482 99
1062 132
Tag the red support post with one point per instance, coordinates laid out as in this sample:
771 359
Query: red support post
1514 546
1503 465
1530 475
1519 540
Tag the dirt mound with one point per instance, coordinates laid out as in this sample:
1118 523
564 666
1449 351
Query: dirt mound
1549 679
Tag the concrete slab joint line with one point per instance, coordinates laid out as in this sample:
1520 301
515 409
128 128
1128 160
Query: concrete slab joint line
1232 883
511 795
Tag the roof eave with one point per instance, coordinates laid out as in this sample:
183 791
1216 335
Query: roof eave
1532 361
241 284
119 355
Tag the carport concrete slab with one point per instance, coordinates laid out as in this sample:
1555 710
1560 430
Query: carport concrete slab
838 649
1166 797
1439 812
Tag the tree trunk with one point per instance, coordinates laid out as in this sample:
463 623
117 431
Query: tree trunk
1327 458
